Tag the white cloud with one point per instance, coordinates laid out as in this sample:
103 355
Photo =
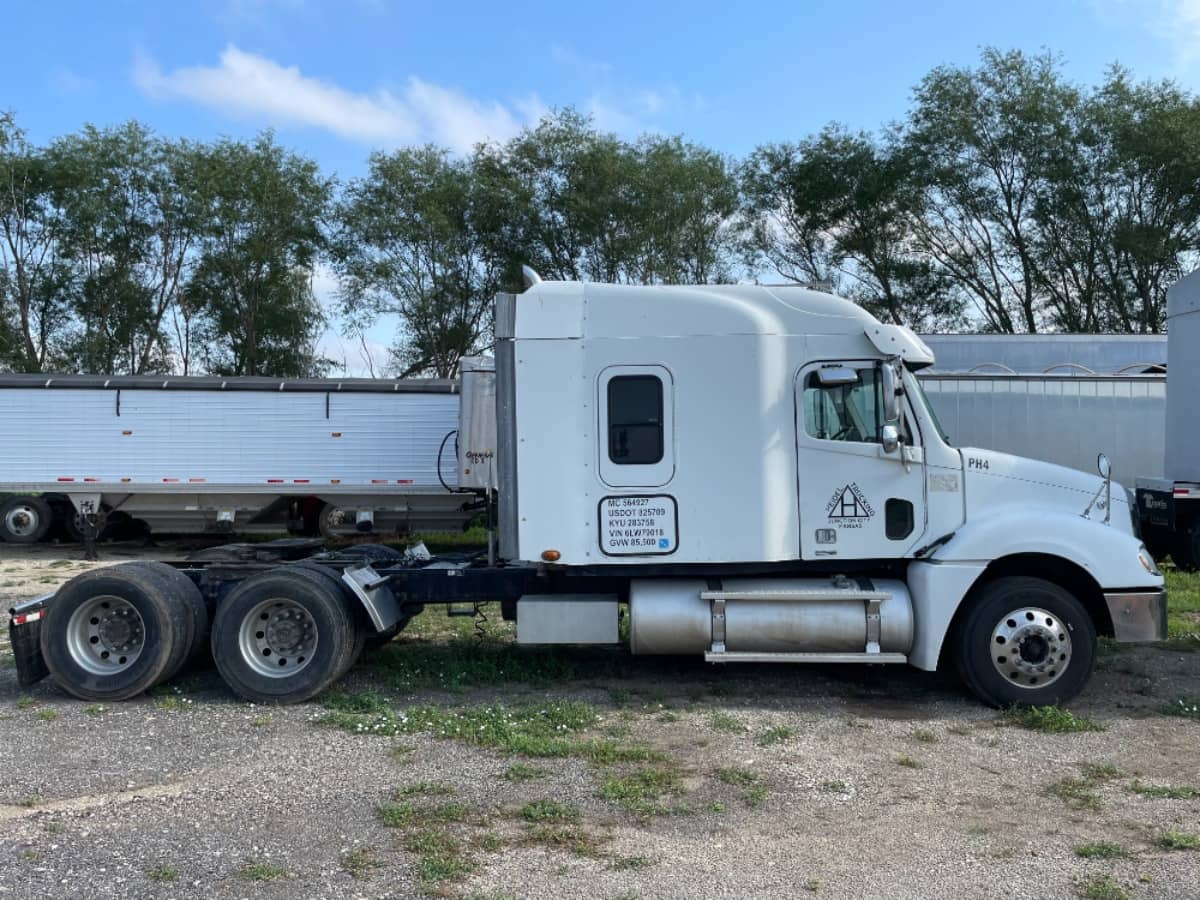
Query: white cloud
1174 22
255 87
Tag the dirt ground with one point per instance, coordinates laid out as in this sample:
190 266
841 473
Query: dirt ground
463 766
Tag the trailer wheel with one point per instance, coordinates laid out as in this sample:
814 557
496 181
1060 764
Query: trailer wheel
25 520
185 592
372 552
112 633
282 636
1025 641
1186 551
331 522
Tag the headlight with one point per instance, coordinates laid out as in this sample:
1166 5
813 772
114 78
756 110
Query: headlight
1147 560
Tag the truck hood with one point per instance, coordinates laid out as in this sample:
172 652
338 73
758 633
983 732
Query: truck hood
993 478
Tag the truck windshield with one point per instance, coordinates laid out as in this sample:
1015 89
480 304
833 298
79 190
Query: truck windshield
918 390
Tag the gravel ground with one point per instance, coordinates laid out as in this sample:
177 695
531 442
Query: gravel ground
886 783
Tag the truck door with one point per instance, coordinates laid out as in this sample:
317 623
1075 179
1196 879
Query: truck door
859 496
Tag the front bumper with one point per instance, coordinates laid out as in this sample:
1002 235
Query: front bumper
1138 615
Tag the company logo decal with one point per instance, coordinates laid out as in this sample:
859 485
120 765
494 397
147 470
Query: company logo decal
848 508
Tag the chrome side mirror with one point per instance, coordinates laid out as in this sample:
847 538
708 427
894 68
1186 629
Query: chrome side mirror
889 436
836 376
893 390
1103 466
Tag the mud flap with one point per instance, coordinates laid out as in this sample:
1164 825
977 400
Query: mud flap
25 633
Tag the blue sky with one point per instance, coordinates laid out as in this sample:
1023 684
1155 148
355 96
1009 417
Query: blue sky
337 79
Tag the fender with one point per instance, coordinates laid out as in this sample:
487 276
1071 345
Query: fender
939 584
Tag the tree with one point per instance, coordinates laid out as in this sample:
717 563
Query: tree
985 140
33 274
406 244
840 208
260 241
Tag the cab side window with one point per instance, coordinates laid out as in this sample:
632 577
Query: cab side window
635 420
844 412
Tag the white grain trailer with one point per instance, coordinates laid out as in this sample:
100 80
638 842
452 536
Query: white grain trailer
218 454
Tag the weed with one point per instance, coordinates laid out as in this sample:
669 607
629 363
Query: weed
1102 887
47 715
775 735
54 827
1075 792
260 722
30 801
174 703
754 797
722 721
812 885
439 858
403 752
523 772
259 870
360 862
1047 719
542 811
736 776
26 702
1178 840
488 842
1099 771
94 709
425 789
641 791
1163 792
1185 707
1101 850
716 806
30 855
909 762
162 872
570 838
835 787
925 736
626 863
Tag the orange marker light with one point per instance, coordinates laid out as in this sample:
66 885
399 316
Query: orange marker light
551 555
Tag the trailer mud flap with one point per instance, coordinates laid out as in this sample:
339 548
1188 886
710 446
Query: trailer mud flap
25 633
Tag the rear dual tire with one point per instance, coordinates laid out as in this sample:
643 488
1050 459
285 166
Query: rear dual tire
25 520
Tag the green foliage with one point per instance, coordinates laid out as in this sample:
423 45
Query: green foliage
736 776
1165 792
543 811
1048 719
260 870
1101 850
642 790
1076 792
776 734
1102 887
1178 840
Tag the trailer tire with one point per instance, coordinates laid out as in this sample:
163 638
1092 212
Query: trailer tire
329 522
184 590
1186 550
25 520
1052 634
372 552
305 642
361 625
112 633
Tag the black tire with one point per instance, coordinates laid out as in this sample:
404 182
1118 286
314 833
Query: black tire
77 662
185 591
1186 549
372 552
330 524
25 520
362 625
1055 635
316 661
377 639
69 522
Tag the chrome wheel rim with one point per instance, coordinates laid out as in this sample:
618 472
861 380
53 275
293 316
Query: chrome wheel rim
1031 647
277 638
22 520
105 635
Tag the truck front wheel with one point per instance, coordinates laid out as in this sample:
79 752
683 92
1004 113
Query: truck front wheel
283 636
1025 641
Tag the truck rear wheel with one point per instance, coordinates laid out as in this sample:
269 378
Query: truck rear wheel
25 520
112 633
282 636
185 592
1025 641
361 626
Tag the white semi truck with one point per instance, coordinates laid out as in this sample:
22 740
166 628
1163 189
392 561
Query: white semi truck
211 454
749 473
1169 505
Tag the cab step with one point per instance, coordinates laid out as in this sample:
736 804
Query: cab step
871 658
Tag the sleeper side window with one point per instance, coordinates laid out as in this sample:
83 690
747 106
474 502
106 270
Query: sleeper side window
635 420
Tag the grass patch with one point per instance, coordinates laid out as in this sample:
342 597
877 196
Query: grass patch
722 721
524 772
925 736
260 870
402 813
30 801
403 752
1165 792
736 776
26 702
54 827
1102 887
754 797
835 787
1099 771
163 872
260 722
1178 840
631 863
909 762
550 811
440 858
777 734
47 715
1076 793
360 862
425 789
642 791
1101 850
1048 719
567 838
1184 707
94 709
174 703
1184 590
